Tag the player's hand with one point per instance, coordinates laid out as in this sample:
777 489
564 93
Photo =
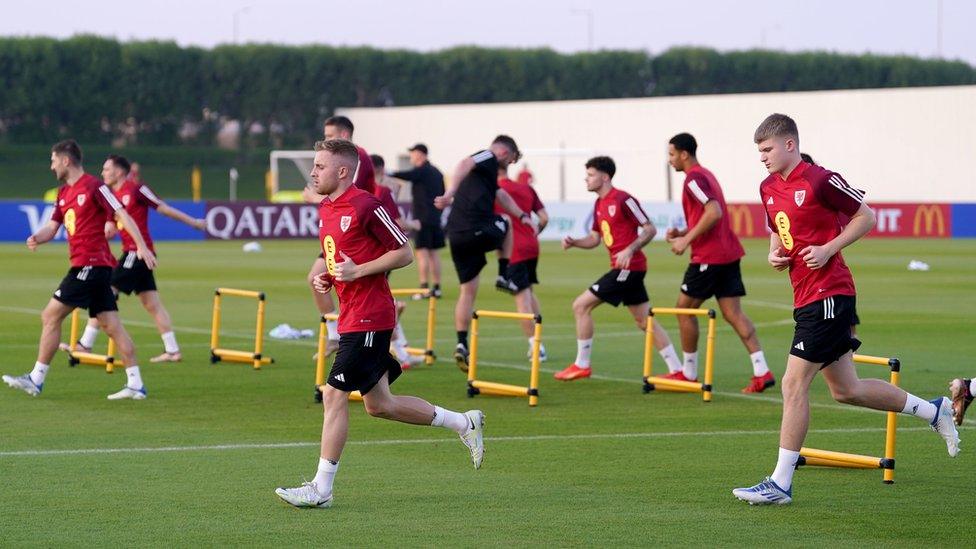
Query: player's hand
568 242
32 243
778 259
200 224
622 261
414 225
347 271
443 201
322 283
679 244
148 257
671 234
815 256
111 229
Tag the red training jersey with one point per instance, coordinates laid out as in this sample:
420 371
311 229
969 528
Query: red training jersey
525 243
385 195
137 198
357 225
365 176
804 209
719 244
617 217
84 208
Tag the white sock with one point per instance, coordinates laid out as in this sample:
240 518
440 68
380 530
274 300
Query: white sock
88 338
324 476
759 367
785 465
690 368
332 326
972 386
924 409
671 358
454 421
169 342
583 349
400 350
39 372
134 380
398 335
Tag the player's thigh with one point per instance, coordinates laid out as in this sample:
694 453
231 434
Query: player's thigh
799 374
56 311
686 301
841 373
639 311
586 301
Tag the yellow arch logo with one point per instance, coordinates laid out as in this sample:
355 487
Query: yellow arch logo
932 217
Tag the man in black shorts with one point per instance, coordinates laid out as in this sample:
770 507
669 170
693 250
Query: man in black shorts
474 229
427 182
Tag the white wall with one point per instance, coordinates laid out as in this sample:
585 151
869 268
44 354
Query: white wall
907 144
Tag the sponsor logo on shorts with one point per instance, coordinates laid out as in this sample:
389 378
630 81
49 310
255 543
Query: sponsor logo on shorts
684 287
339 377
799 346
595 287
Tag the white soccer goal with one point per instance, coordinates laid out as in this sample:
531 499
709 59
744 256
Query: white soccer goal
290 173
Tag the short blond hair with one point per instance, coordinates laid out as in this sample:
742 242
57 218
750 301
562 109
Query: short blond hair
777 125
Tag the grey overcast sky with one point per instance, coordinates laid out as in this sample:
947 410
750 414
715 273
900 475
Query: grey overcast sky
852 26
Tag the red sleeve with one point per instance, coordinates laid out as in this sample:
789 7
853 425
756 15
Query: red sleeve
146 196
596 225
633 210
536 203
57 215
836 194
700 189
105 199
377 222
386 198
365 177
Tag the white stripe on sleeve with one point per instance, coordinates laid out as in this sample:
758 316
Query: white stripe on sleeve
636 209
110 198
394 230
699 194
150 195
847 189
482 156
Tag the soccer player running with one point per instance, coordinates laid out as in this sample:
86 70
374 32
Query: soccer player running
426 182
617 218
714 268
84 205
473 228
803 203
361 244
521 268
131 274
336 127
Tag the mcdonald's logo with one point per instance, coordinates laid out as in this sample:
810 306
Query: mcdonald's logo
742 222
933 217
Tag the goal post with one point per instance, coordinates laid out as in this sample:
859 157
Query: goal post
290 174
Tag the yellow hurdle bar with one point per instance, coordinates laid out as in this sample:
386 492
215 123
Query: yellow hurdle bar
652 382
428 351
217 354
320 359
828 458
75 358
477 387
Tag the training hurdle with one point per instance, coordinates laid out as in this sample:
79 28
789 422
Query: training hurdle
320 359
217 353
428 351
827 458
75 358
476 386
652 382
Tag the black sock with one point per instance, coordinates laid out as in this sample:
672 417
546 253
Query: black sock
503 267
463 338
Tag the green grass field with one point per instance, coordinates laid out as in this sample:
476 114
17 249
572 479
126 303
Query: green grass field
596 463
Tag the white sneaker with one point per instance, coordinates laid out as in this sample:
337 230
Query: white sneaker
129 392
306 495
766 492
474 438
24 383
542 353
945 425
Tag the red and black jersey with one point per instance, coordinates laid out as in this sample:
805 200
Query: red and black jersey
136 198
618 217
804 210
357 225
718 245
83 208
525 243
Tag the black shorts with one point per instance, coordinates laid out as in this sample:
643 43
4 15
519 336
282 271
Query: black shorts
88 288
132 275
361 361
468 248
703 280
429 237
619 286
823 330
522 274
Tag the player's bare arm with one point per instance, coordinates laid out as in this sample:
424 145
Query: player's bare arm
777 254
348 270
505 200
647 232
711 216
178 215
142 251
543 220
588 242
462 170
309 196
111 229
44 234
861 223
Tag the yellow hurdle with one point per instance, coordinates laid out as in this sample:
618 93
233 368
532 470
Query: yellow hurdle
476 386
218 354
827 458
428 351
75 358
652 382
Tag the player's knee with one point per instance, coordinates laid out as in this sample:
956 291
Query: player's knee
580 307
332 397
845 394
641 324
380 408
792 388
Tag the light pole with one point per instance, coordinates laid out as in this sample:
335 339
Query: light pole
938 30
236 16
588 13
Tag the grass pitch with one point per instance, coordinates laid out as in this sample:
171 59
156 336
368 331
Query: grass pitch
597 463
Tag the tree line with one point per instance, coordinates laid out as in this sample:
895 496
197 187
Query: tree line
104 91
